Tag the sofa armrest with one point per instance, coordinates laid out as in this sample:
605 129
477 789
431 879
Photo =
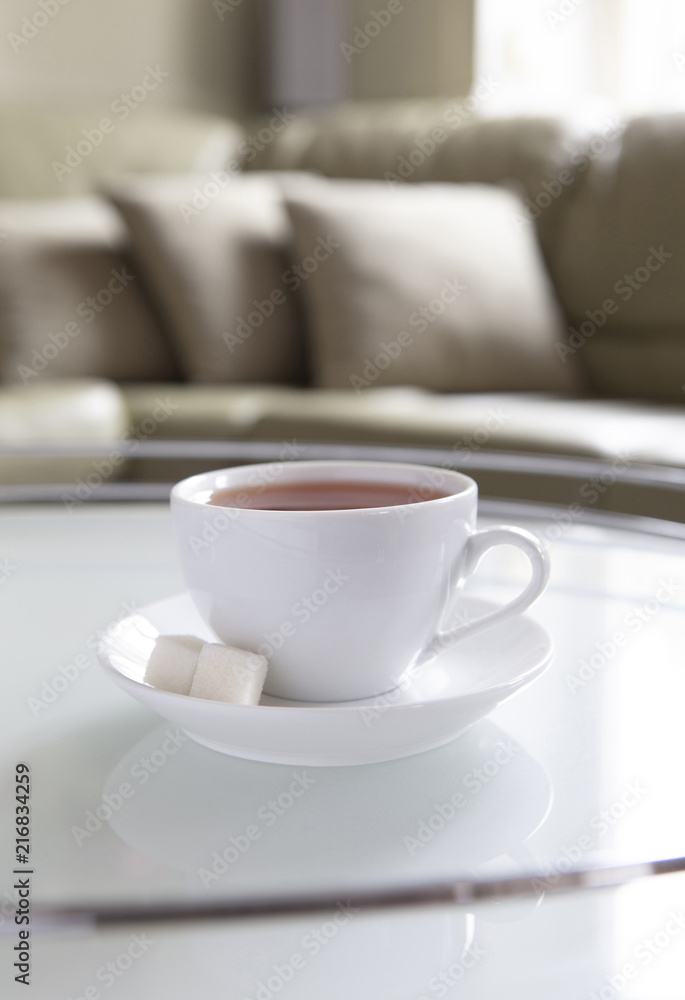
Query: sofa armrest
57 413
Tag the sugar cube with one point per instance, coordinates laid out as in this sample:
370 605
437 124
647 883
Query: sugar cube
225 673
172 663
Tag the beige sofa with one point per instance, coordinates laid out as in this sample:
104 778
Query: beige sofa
602 205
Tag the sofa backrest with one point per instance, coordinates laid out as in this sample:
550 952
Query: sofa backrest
618 263
606 204
413 141
50 154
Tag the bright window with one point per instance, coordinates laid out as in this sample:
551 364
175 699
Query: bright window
603 55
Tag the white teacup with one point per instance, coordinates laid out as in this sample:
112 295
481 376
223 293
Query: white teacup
341 602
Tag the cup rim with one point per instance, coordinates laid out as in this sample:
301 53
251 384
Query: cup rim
187 491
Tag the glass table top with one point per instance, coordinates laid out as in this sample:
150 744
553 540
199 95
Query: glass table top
580 771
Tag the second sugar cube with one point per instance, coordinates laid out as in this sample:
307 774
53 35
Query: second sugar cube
224 673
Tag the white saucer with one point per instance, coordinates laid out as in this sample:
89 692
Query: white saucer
449 694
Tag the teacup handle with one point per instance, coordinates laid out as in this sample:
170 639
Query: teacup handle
478 544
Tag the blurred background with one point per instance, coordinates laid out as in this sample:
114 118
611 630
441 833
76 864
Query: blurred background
572 107
237 57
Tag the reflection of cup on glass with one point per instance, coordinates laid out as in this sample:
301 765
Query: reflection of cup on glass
237 828
339 572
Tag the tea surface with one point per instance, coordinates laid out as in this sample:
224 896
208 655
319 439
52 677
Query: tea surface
324 495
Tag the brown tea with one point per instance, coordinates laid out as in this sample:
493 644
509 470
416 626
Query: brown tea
324 495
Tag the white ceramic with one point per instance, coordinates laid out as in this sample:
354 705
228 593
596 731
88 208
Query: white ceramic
436 703
341 602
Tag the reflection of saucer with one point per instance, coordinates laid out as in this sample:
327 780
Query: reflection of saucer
449 694
438 815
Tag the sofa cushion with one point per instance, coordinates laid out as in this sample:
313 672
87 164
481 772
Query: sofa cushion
70 302
618 265
213 249
464 426
429 285
467 424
